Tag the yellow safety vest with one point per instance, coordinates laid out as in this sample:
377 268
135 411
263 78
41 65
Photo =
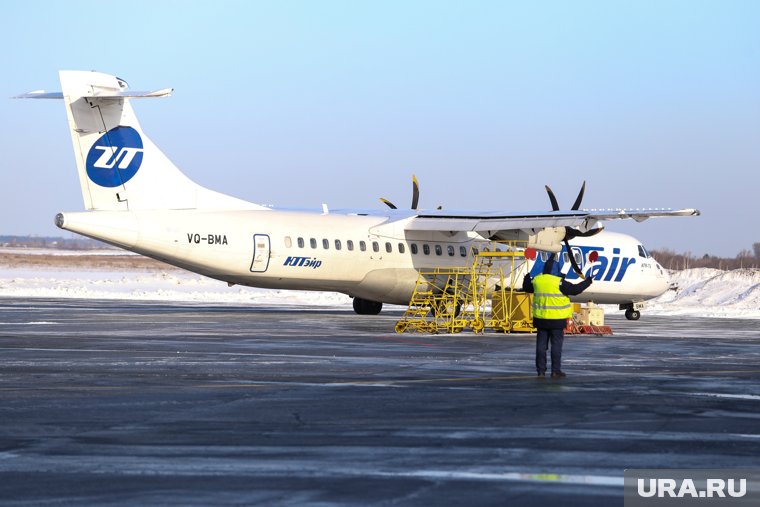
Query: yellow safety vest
548 301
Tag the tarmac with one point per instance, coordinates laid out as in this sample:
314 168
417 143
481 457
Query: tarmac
136 403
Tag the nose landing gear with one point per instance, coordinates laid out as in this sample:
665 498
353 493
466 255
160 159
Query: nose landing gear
632 310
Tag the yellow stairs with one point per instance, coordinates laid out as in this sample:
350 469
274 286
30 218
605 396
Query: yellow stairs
451 299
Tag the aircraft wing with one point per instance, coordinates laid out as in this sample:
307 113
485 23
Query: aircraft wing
479 221
640 214
494 222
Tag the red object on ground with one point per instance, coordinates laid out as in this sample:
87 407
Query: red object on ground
572 328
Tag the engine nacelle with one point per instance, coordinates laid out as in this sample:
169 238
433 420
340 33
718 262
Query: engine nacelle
548 239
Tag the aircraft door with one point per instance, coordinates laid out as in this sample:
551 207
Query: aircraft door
261 252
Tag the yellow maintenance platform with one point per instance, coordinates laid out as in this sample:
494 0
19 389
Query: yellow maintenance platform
479 297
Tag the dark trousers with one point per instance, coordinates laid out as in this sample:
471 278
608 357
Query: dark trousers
543 337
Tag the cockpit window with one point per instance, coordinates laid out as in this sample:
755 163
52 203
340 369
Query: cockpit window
643 252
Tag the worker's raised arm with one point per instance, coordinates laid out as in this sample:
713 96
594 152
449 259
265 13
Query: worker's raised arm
573 289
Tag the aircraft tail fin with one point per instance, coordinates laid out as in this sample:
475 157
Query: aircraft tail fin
119 167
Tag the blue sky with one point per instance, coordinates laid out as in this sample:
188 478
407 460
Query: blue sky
655 104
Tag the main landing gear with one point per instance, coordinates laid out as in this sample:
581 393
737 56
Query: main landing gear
365 307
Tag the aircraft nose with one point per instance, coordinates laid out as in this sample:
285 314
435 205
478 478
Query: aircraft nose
665 280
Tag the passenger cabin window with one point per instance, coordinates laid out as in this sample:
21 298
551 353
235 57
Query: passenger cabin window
426 249
414 249
544 256
350 245
362 246
565 257
475 250
337 244
326 244
375 246
401 248
288 242
388 247
313 242
450 250
578 257
438 250
463 251
300 243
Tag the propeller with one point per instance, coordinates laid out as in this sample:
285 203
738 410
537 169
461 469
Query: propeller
415 195
570 232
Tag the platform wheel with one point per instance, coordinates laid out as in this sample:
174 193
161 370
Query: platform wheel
401 326
478 326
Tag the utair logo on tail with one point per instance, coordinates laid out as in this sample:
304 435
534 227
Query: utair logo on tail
115 158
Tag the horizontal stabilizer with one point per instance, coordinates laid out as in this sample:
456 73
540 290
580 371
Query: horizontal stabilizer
40 94
105 94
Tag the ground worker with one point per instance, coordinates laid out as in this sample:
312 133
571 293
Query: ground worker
551 309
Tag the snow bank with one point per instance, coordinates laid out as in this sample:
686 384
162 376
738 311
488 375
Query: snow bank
66 253
710 292
169 285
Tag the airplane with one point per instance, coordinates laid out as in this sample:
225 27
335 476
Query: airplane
138 200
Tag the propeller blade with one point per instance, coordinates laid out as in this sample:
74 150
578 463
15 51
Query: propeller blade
577 203
415 192
388 203
590 232
574 264
571 233
552 198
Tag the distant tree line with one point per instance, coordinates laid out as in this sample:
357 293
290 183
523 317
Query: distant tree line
744 259
52 242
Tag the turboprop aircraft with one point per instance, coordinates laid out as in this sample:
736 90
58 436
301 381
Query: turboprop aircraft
137 199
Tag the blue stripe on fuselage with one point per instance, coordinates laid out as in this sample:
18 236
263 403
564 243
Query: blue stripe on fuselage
610 267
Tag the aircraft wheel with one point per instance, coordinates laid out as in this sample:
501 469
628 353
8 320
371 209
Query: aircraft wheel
365 307
631 314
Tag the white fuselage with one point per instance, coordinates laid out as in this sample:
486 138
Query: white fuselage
365 256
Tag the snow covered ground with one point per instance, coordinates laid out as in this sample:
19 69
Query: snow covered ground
701 292
169 285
